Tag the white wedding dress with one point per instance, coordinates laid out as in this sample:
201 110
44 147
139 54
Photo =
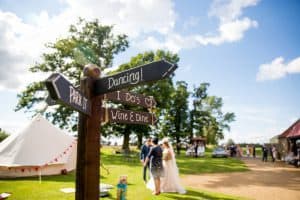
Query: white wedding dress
171 181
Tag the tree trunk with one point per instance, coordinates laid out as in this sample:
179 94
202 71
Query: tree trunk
125 145
191 127
178 145
140 140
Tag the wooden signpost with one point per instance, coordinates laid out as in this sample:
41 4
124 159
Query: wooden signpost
88 102
50 101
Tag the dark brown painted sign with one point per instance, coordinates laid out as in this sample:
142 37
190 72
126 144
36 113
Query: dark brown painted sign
61 90
129 117
131 98
50 101
149 72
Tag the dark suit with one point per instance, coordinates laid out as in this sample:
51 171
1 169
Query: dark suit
144 152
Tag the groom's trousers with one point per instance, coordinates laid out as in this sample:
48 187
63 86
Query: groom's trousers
145 172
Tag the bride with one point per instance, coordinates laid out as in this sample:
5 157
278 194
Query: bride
170 182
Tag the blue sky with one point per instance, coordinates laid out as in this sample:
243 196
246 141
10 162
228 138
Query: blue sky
247 50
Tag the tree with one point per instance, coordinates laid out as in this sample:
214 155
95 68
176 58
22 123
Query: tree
3 135
208 119
230 142
88 42
178 113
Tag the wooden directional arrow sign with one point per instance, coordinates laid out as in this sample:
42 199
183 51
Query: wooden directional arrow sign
131 98
50 101
149 72
61 90
129 117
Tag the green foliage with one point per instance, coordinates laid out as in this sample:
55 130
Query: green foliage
230 142
176 123
3 135
88 41
207 118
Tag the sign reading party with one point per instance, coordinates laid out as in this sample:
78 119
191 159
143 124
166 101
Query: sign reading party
61 90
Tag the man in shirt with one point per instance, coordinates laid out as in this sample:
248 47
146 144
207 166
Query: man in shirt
144 152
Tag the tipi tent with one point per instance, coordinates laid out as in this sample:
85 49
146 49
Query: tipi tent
40 149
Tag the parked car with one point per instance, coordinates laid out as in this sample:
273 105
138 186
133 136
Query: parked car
219 152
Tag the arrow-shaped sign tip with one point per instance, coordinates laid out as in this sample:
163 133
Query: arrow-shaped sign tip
170 70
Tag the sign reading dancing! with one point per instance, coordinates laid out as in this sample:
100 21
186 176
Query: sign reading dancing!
149 72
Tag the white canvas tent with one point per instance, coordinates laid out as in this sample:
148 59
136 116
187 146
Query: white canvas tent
40 149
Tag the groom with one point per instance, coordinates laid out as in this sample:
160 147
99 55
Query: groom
156 166
144 152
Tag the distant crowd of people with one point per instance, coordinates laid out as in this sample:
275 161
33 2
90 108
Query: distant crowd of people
237 151
272 151
196 149
250 151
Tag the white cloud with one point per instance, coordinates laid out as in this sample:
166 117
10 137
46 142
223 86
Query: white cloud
132 17
22 43
229 10
278 69
228 32
231 28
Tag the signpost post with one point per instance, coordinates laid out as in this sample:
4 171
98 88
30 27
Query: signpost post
88 102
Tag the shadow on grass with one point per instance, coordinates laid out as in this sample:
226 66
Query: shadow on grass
196 195
120 159
70 177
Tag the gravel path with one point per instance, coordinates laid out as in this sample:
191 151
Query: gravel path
265 181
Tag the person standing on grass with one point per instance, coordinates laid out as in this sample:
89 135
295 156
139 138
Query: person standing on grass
264 153
247 151
196 149
271 153
254 153
274 152
144 152
156 166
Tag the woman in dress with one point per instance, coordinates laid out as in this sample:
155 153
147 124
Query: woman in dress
170 181
156 167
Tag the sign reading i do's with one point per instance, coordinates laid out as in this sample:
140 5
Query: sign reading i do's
88 102
131 98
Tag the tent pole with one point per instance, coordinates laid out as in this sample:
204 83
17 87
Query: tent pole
40 175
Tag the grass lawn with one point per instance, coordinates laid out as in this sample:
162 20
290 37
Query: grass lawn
30 188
